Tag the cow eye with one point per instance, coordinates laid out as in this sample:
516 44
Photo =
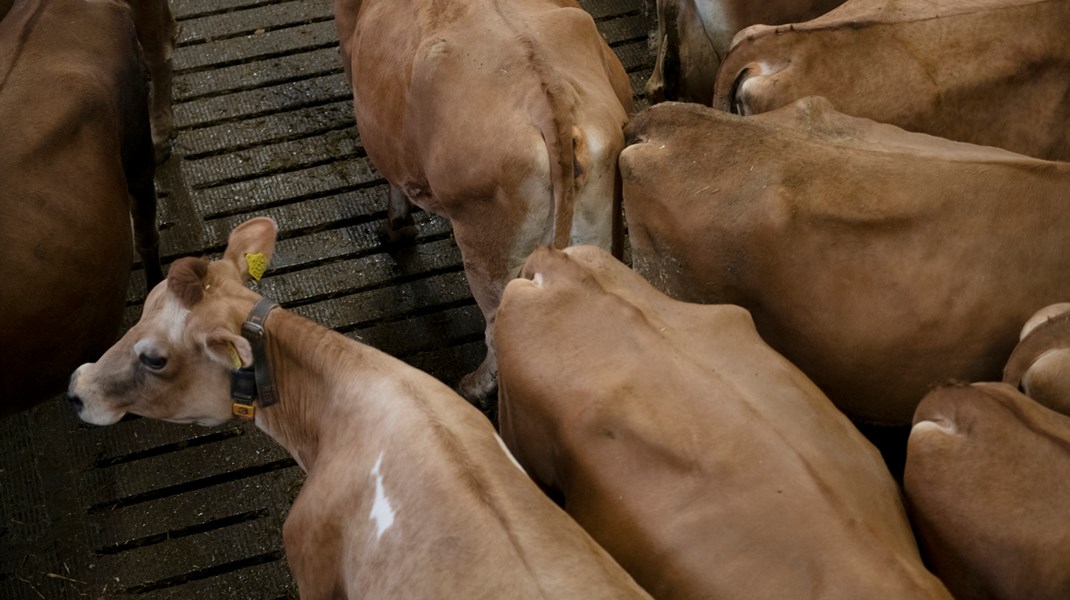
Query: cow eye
738 106
153 362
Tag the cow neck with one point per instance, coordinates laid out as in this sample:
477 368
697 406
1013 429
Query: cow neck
303 357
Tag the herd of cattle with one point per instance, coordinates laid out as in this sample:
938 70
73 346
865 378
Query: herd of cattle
877 226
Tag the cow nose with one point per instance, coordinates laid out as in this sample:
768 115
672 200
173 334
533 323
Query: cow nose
75 401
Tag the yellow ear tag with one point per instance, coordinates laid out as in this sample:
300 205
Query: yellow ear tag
234 356
257 265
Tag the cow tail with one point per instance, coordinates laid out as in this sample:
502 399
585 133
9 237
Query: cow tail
553 115
570 138
563 169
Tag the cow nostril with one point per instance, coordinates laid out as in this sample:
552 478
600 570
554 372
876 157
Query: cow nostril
75 401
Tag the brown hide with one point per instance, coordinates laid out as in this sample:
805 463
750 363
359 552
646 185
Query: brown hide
409 492
880 262
990 72
156 33
693 36
503 116
75 149
701 459
988 484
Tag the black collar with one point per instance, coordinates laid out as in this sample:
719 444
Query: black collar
247 384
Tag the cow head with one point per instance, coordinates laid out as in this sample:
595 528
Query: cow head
987 488
752 90
1040 363
175 363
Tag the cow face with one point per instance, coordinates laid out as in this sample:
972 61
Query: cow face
175 363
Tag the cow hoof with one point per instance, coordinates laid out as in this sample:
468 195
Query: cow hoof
393 236
162 151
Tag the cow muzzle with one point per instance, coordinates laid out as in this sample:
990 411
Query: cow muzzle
85 407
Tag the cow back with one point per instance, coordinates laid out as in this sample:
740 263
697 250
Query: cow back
879 261
680 440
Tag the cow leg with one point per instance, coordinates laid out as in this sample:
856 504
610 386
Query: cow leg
400 227
146 232
140 171
492 257
487 273
156 32
665 80
479 386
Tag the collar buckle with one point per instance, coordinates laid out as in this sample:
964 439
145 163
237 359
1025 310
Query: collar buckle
247 384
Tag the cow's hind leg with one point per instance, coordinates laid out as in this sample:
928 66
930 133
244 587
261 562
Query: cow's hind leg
146 232
494 250
156 32
400 226
140 169
479 386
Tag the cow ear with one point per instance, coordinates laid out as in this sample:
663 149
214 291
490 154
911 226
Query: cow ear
228 349
251 245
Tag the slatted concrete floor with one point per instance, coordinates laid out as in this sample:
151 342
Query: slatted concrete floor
154 510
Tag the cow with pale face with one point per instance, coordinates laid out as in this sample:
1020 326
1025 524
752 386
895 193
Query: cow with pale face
693 36
879 261
76 165
703 461
989 72
505 117
409 493
988 487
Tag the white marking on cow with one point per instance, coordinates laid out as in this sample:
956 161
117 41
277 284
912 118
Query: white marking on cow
941 426
175 315
382 512
537 279
512 458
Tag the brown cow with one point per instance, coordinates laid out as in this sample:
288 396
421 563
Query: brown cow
693 36
988 486
503 116
702 460
409 494
879 261
1040 363
75 162
990 72
156 32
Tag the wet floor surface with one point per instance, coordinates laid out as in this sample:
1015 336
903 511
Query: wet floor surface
155 510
